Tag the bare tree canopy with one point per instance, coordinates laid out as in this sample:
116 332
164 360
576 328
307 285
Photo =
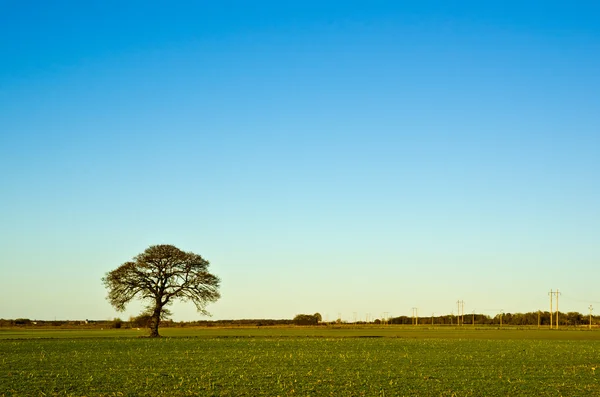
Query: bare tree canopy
160 275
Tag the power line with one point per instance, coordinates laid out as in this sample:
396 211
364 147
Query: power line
568 297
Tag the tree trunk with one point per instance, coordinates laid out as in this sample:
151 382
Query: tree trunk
154 323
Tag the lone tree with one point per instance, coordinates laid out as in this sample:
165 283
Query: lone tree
160 275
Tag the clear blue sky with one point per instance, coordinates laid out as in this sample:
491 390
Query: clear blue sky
336 157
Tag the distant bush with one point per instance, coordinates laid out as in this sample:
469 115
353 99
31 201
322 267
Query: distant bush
117 323
141 321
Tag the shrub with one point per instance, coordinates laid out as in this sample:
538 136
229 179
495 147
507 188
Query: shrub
117 323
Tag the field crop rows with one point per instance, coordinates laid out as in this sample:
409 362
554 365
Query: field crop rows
309 366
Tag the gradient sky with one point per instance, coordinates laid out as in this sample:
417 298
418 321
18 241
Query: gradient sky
336 157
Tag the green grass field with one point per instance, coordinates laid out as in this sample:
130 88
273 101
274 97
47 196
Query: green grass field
320 361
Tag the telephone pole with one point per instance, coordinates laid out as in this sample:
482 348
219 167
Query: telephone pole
552 293
457 312
415 316
591 308
557 293
473 318
551 314
461 312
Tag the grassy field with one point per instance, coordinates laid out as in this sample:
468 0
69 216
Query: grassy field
347 331
320 361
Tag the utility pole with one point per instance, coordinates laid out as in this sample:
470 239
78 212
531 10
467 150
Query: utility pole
461 312
415 316
434 313
501 315
551 293
551 314
591 308
557 293
538 318
458 312
354 317
473 318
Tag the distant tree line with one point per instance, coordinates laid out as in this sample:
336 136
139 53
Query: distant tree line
141 321
144 320
85 324
242 322
514 319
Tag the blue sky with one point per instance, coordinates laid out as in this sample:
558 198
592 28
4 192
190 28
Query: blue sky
336 157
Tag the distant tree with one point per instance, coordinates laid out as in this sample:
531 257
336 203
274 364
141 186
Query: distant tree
318 317
305 319
159 276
